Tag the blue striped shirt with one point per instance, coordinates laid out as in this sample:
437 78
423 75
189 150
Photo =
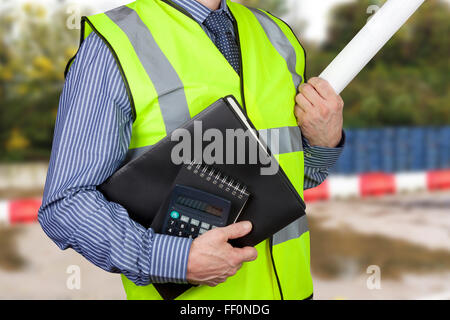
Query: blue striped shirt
91 138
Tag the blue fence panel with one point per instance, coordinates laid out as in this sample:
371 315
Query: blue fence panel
444 147
402 149
417 149
346 162
387 149
362 150
373 150
394 150
432 146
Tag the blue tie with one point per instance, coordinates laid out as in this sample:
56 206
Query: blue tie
217 23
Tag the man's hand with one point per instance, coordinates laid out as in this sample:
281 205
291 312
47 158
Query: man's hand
212 259
319 113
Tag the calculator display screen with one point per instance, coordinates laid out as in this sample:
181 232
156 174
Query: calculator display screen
199 205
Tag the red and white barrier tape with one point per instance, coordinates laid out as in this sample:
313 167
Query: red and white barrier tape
19 211
376 184
335 187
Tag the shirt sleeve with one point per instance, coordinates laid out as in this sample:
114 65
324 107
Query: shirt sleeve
91 138
318 162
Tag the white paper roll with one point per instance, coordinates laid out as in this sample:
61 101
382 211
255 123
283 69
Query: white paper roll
368 41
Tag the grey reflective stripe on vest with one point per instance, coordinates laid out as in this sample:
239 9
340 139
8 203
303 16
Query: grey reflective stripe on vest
292 231
167 83
290 139
280 42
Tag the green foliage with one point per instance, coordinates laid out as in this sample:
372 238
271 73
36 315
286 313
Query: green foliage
34 48
407 83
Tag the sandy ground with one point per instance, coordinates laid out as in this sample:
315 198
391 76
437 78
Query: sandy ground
45 272
421 218
409 287
412 228
414 223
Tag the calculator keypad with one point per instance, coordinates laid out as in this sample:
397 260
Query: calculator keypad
205 225
184 226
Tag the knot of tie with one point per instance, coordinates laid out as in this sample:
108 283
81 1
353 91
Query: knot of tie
216 22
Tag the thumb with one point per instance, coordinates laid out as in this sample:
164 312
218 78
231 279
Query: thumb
237 230
246 254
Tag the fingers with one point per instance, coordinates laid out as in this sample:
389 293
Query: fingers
212 259
310 93
237 230
322 87
302 102
299 114
246 254
302 108
326 91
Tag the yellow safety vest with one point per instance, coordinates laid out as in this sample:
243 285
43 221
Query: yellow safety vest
172 71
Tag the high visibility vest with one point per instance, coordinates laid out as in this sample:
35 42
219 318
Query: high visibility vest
172 71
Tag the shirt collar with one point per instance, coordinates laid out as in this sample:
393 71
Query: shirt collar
200 12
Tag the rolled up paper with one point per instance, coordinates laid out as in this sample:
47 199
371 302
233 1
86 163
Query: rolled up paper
368 41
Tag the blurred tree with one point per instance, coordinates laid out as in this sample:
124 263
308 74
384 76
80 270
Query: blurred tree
35 46
407 83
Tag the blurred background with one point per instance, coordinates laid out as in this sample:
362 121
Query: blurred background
380 225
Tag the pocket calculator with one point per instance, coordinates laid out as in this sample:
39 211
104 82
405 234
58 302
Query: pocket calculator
192 212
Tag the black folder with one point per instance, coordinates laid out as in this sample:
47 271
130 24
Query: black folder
142 185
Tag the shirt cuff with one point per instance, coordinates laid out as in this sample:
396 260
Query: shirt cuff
169 258
322 157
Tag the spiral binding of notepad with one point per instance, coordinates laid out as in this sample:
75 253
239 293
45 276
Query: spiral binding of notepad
216 177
